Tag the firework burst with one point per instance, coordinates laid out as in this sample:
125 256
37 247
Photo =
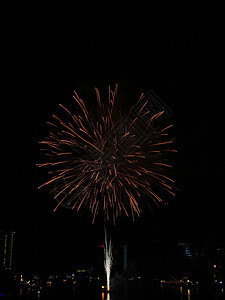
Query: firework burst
105 161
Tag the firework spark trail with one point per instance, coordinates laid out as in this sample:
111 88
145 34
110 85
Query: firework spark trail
105 161
108 259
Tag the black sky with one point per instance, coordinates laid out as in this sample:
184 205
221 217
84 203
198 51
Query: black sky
177 52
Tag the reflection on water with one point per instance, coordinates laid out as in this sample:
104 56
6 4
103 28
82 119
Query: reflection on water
181 292
126 292
189 294
165 293
105 296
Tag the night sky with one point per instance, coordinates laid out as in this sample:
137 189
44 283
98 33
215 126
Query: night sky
176 52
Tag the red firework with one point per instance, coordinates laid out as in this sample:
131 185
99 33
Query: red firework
106 161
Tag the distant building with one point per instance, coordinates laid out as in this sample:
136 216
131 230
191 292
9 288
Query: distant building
204 260
6 250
